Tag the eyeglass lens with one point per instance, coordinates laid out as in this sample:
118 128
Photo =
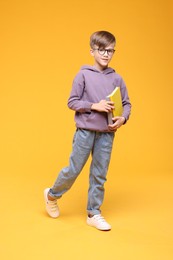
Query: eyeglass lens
103 51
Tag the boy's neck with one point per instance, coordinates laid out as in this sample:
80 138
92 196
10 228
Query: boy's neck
100 68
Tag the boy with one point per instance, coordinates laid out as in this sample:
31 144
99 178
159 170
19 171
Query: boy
93 135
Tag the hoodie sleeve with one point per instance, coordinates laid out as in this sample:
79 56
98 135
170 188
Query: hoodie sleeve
125 100
76 101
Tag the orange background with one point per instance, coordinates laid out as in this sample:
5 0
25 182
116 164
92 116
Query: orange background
43 45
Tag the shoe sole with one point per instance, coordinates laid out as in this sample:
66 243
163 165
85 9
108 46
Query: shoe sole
101 229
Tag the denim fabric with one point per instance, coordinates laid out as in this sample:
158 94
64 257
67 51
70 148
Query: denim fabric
86 142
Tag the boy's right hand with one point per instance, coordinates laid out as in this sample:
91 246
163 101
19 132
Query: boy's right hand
103 106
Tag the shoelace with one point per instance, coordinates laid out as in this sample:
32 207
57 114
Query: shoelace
100 218
53 205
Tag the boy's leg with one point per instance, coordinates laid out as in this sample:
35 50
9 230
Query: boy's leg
99 166
82 146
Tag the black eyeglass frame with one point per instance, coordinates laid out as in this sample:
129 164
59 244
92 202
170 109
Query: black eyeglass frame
102 52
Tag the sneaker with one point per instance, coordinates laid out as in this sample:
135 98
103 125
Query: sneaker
98 222
51 205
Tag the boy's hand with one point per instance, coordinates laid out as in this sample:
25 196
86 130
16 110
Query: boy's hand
103 106
118 122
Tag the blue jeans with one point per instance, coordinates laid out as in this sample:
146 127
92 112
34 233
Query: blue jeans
86 142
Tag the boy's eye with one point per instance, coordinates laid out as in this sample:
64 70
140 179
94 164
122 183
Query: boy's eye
101 51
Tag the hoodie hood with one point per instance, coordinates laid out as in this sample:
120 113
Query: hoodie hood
92 68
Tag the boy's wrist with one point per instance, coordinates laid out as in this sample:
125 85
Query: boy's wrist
93 106
124 120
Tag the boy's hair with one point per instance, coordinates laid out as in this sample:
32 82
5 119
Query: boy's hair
101 39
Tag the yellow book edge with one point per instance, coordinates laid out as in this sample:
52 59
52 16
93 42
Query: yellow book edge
115 97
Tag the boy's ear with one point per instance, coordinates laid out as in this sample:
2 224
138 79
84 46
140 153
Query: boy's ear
92 52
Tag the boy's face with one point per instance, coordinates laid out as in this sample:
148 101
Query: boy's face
102 56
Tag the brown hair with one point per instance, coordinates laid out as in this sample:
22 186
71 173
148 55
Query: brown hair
102 39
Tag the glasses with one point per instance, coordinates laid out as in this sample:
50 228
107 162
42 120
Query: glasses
102 52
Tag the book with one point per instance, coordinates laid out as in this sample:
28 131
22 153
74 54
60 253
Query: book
115 97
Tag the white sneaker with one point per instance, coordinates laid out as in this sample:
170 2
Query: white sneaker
51 205
98 222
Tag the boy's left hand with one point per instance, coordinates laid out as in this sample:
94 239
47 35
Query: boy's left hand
118 121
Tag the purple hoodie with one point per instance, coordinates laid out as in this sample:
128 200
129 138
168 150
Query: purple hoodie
90 86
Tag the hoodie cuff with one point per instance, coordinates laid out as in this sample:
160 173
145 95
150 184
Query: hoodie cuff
87 106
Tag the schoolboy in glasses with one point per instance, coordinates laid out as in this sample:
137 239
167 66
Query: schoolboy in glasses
93 136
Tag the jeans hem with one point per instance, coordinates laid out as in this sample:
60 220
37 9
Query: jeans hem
93 212
53 195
